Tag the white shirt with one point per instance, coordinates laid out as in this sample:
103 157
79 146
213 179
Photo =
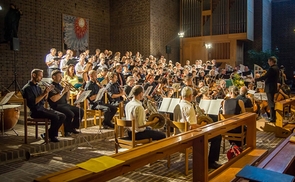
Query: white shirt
134 110
187 112
49 57
79 68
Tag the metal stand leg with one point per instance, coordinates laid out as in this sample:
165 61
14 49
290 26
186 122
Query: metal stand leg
14 131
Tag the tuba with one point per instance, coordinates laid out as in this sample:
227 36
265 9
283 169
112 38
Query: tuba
154 114
201 115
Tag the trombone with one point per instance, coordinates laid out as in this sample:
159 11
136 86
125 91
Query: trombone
64 83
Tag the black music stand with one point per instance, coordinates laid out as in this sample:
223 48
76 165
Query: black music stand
82 97
16 84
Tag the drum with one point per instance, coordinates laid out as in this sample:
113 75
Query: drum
10 114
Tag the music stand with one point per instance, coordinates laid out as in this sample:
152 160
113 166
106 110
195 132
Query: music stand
16 85
81 98
99 96
3 102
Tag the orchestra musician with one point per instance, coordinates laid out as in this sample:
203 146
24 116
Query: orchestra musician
72 78
243 92
35 101
130 83
234 106
135 111
102 77
59 102
108 110
271 78
51 62
116 94
189 115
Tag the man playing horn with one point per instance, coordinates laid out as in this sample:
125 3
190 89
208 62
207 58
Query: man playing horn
135 111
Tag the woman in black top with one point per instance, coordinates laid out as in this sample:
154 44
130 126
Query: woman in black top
234 106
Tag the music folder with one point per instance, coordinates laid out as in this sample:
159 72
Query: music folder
6 98
211 106
83 96
100 94
253 173
168 105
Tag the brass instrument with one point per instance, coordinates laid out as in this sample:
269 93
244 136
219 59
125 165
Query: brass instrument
201 115
154 114
64 83
47 84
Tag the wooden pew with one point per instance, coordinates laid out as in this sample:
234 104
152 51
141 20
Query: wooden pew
140 156
281 108
282 158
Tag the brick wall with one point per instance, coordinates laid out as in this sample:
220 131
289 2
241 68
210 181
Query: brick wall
130 27
40 30
165 27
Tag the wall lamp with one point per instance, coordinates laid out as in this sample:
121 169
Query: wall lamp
181 34
208 46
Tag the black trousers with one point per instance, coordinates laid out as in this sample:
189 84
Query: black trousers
57 118
148 133
109 112
271 104
214 150
73 116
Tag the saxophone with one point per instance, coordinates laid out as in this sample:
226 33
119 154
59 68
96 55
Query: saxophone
201 115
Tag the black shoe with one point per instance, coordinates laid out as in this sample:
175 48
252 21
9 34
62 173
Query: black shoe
67 134
75 131
106 127
214 165
54 139
43 136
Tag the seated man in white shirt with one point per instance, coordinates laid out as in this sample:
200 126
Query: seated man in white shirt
188 115
134 110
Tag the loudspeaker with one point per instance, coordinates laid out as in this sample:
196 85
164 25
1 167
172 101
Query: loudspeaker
14 44
168 49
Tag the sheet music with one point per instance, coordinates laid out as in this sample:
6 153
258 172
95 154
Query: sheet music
211 106
214 107
6 98
173 103
260 84
260 96
204 104
242 68
165 105
148 90
100 94
83 96
251 92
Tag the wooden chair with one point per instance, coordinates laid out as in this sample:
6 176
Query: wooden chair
183 127
250 109
123 140
94 113
36 122
232 136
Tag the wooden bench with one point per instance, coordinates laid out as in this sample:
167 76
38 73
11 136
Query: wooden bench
282 158
282 108
140 156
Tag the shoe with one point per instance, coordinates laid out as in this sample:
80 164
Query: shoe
43 136
75 131
106 127
54 139
214 165
67 134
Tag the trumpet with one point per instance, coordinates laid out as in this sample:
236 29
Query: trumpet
64 83
47 84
